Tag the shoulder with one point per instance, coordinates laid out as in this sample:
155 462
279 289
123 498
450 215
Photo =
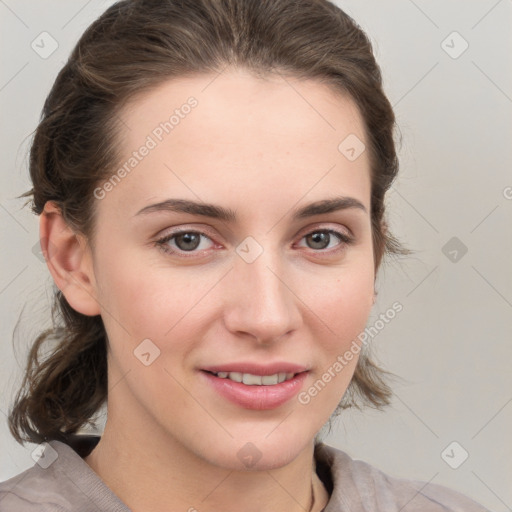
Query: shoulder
36 489
358 486
60 481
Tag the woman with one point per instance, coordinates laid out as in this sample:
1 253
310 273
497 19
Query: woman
210 179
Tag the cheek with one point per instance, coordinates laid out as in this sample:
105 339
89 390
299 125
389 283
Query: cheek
140 294
343 305
341 309
142 300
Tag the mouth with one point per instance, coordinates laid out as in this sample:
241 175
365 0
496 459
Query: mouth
250 379
257 387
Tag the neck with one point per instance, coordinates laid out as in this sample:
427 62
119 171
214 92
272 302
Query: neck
161 471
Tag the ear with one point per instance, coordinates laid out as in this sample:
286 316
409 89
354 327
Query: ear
69 260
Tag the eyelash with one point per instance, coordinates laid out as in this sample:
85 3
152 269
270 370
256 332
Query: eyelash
161 243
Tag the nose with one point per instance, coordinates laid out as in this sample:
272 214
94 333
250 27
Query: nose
260 300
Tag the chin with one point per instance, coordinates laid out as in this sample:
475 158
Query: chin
258 453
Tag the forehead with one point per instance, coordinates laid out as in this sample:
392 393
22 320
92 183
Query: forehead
240 134
237 99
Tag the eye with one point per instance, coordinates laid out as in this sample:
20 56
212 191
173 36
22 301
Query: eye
323 239
194 242
184 241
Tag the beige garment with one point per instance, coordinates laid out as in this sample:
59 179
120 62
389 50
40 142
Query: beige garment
69 484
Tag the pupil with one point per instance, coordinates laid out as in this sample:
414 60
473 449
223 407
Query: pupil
191 241
320 238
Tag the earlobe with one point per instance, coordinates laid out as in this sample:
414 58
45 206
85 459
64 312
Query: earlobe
69 260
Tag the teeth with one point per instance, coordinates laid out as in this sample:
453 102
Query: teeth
251 380
269 380
256 380
236 376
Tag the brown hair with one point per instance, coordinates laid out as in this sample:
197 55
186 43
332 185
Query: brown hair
134 46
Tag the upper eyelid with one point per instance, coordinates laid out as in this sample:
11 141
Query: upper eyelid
322 227
302 233
179 231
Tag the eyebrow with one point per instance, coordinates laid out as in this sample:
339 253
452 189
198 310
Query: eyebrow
226 214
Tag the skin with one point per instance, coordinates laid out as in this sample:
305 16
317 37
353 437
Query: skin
262 148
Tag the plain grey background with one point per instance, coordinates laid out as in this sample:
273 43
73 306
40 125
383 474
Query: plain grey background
447 71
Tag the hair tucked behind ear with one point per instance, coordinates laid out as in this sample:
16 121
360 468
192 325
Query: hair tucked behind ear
134 46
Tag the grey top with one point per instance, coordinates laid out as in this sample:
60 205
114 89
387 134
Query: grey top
62 481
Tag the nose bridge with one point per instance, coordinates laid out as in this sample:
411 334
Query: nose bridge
261 304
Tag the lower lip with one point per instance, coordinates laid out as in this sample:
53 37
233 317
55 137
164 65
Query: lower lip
256 397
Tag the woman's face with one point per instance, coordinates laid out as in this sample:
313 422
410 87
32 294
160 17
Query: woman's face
183 288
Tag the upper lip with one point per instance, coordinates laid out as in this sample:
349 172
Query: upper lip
257 369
